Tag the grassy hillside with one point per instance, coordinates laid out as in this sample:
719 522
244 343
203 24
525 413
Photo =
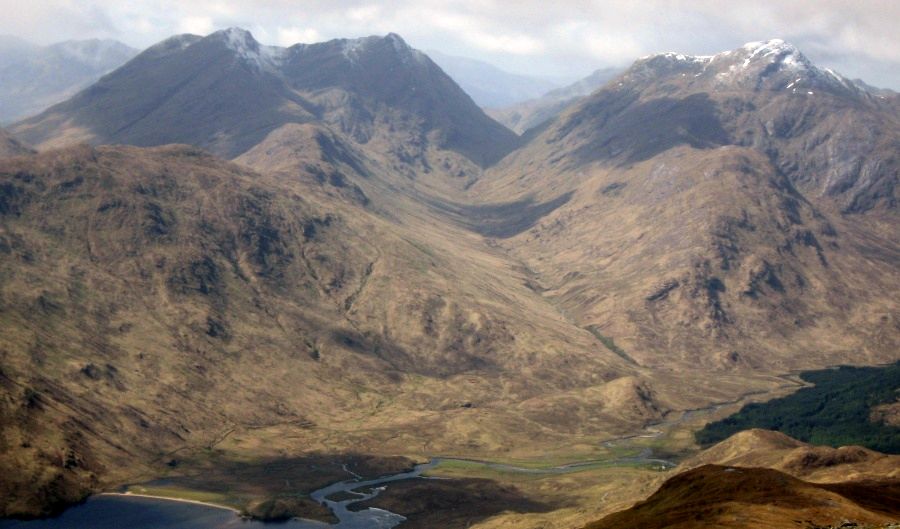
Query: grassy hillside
837 411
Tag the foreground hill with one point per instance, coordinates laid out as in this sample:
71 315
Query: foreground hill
714 209
33 77
719 496
775 450
761 478
226 92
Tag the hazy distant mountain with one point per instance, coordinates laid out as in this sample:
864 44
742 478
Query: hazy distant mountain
488 85
33 78
527 115
226 92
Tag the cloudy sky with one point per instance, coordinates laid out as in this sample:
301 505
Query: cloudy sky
566 39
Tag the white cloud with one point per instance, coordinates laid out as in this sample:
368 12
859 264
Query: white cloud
294 35
196 25
533 36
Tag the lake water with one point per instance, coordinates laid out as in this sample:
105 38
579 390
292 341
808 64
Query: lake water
124 512
136 512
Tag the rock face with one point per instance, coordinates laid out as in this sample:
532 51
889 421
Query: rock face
33 78
226 92
712 209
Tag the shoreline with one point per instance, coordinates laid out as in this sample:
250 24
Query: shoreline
170 498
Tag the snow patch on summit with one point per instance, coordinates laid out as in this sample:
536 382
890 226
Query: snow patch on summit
247 48
784 53
353 48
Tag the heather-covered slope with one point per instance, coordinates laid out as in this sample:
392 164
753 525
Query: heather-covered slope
719 496
162 300
715 209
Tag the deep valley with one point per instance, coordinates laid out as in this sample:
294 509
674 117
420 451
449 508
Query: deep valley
238 274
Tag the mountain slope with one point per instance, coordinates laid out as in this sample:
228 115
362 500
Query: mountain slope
33 78
711 213
226 92
163 300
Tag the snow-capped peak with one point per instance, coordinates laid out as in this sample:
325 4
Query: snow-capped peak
774 51
246 47
765 65
353 48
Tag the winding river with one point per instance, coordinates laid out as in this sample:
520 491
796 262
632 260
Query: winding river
115 511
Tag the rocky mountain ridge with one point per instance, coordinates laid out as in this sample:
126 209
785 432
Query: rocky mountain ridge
226 92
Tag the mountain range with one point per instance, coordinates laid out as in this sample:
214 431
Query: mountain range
225 251
34 77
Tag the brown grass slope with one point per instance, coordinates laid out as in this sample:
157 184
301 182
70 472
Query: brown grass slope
820 464
703 210
753 479
720 496
162 301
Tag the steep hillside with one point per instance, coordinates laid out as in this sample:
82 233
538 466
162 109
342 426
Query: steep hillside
226 92
164 301
713 209
33 77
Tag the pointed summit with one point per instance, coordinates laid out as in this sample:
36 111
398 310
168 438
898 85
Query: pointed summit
765 65
226 92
